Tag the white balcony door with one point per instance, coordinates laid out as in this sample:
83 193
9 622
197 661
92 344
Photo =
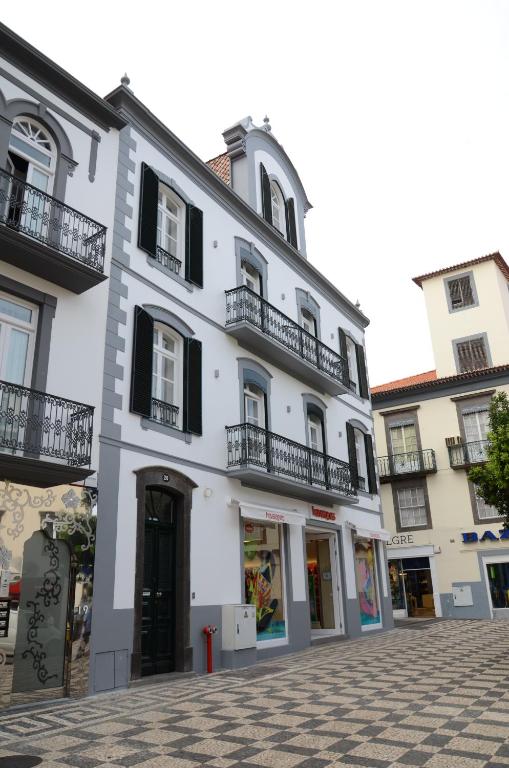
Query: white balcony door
18 323
32 158
476 425
254 413
404 448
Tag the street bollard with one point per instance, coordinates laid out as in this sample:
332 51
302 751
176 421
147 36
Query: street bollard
208 631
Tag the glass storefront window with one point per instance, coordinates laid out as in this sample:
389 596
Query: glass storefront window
397 586
263 578
498 577
365 571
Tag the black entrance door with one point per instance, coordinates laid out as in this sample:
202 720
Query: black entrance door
158 600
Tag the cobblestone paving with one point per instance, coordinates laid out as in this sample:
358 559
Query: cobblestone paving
436 697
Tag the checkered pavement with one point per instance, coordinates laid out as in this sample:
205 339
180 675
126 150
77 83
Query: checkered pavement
437 698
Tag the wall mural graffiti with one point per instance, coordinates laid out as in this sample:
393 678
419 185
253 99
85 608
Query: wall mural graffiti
47 551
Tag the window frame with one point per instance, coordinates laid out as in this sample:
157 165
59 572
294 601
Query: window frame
256 394
276 194
158 353
411 483
362 459
483 336
8 324
165 192
447 284
351 356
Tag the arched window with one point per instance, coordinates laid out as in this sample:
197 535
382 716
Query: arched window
167 375
278 207
32 154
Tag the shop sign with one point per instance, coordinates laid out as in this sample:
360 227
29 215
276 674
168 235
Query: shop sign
323 514
472 537
404 538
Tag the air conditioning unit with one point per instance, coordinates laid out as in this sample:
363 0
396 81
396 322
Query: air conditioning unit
453 440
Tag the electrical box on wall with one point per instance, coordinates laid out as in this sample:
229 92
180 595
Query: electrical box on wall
239 627
462 596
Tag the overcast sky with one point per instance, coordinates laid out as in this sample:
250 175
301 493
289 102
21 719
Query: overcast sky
395 114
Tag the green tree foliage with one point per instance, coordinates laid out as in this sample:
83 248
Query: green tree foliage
492 478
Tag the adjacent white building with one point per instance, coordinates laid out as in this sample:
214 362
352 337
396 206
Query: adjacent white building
58 166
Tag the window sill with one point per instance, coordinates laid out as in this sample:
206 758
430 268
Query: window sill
152 262
365 494
165 429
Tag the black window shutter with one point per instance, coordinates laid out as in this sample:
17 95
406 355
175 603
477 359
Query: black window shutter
147 224
194 246
192 421
352 455
344 354
370 461
266 196
141 367
361 370
291 227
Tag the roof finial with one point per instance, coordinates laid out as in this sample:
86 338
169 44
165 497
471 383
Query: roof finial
125 80
266 127
358 304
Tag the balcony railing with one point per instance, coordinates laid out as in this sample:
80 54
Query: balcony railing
243 304
167 260
413 462
249 445
35 424
165 413
34 213
465 454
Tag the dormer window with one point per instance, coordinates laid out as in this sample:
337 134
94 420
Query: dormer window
278 207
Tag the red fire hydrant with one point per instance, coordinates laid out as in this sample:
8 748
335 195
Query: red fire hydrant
208 631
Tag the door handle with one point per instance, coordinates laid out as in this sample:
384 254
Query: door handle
159 594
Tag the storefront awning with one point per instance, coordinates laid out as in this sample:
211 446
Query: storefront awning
270 515
367 533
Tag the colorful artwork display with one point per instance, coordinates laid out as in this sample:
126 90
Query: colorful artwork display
263 579
365 571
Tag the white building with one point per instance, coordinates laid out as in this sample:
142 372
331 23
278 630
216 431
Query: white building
58 164
236 461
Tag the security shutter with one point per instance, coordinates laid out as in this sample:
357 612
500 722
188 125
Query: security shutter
471 355
147 221
352 455
370 462
361 370
343 351
460 292
291 227
192 386
266 197
194 246
141 367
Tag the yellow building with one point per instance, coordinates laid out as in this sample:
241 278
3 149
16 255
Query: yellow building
448 553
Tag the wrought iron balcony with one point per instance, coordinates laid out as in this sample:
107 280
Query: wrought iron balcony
400 465
262 328
268 461
165 413
465 454
44 439
48 238
167 260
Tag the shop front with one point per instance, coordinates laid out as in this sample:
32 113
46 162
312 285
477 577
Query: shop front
324 574
269 537
47 549
413 580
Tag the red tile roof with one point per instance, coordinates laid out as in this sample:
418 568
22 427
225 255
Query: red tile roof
221 167
496 257
409 381
416 383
